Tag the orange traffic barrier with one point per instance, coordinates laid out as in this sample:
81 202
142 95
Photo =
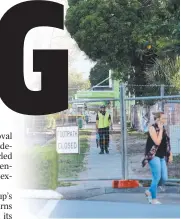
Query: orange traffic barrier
115 184
125 184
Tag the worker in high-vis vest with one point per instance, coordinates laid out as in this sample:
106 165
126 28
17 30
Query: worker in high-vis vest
103 121
108 109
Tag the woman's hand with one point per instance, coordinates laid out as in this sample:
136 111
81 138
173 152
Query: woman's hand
157 138
160 125
170 159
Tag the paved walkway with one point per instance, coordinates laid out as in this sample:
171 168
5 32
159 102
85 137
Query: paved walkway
104 166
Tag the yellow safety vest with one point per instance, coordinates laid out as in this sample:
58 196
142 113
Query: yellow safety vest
103 121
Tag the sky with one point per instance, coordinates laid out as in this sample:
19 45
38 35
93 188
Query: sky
83 65
80 62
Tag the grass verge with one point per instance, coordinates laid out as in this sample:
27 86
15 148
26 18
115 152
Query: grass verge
71 165
39 169
41 166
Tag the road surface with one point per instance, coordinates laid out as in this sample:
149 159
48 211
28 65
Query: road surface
103 209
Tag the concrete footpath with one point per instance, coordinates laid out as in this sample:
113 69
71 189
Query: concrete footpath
82 192
107 166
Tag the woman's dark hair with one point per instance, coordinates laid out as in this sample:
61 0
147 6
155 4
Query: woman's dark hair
157 115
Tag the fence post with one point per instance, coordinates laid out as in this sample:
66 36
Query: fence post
123 132
162 93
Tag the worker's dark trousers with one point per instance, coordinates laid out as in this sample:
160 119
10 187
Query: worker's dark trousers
107 136
104 139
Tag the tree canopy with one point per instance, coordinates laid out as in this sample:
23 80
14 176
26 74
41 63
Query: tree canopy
130 36
99 73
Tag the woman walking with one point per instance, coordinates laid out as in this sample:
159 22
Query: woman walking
157 155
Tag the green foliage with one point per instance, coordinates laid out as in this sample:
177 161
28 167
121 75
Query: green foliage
99 73
166 71
76 83
73 2
95 25
115 32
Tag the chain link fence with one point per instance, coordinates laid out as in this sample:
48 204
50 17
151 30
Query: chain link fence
125 141
137 117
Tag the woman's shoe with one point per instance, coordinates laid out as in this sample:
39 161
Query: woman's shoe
156 202
148 196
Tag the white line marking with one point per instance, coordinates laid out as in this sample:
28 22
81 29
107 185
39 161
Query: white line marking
48 208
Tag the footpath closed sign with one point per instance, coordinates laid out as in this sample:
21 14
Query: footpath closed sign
67 139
